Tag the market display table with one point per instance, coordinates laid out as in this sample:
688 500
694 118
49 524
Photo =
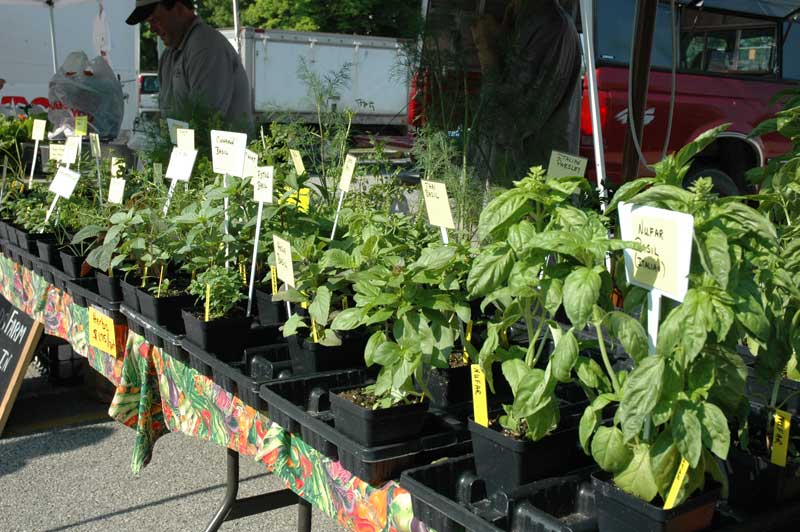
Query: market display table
157 394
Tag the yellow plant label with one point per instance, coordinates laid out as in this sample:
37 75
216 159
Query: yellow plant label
347 172
302 199
117 167
283 260
185 138
297 159
780 437
467 337
160 280
565 165
101 332
680 476
38 129
208 301
314 335
345 305
273 273
479 409
81 126
56 152
666 239
437 204
94 142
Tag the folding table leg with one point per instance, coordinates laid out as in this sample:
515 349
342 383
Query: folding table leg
303 515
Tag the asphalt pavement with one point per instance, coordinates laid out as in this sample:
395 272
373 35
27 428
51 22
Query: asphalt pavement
65 466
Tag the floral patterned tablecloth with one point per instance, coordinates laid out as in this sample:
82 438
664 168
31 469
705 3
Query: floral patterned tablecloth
157 394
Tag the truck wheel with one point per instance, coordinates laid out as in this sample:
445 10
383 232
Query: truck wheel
723 184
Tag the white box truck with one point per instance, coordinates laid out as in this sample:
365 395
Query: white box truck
378 82
26 60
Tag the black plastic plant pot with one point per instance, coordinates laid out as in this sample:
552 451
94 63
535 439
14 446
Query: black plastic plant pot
48 251
225 337
108 286
754 482
449 387
71 265
130 297
269 311
165 311
505 463
11 233
618 511
308 357
26 241
377 427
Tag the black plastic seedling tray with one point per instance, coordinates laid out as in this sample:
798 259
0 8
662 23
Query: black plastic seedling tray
301 405
448 497
156 335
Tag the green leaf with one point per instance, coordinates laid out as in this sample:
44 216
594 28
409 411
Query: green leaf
686 432
581 292
719 266
375 340
627 191
542 422
640 394
533 393
630 333
591 374
519 235
589 421
610 451
292 324
434 257
330 339
385 354
553 294
716 434
664 457
490 270
564 357
501 212
514 371
687 153
637 478
347 320
321 306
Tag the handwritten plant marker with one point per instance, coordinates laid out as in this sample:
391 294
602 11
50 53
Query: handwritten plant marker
37 134
185 138
297 159
71 150
566 165
227 152
62 186
480 411
437 204
102 333
94 143
344 186
55 152
117 167
181 163
116 190
283 260
262 193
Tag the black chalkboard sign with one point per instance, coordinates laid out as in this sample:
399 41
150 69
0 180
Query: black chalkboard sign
19 334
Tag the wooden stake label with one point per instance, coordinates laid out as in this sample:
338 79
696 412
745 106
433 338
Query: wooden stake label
480 411
437 203
780 437
208 301
102 334
680 476
297 159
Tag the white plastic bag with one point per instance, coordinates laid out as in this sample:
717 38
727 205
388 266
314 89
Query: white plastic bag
91 88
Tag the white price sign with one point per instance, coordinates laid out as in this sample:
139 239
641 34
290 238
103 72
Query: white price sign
437 203
262 184
565 165
181 163
347 172
667 238
64 182
227 152
116 190
283 260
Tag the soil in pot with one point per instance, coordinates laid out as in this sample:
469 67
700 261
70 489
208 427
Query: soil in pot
505 461
355 417
225 337
618 511
308 357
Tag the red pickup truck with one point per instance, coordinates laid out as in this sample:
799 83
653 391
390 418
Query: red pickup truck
729 67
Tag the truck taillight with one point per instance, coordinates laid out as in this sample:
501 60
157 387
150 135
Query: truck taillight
415 101
586 115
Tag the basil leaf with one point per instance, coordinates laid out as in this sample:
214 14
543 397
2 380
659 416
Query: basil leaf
581 291
640 394
610 451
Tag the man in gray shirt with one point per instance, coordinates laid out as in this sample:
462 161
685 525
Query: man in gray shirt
200 72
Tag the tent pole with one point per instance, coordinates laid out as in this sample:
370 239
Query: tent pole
53 37
236 27
587 24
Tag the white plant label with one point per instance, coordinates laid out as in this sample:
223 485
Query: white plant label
437 203
297 159
71 150
117 166
565 165
181 163
262 184
158 172
172 126
38 129
56 152
667 237
283 260
64 182
348 168
227 152
250 164
116 190
184 138
94 142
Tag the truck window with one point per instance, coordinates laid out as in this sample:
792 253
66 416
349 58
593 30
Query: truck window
615 30
727 44
791 46
150 85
